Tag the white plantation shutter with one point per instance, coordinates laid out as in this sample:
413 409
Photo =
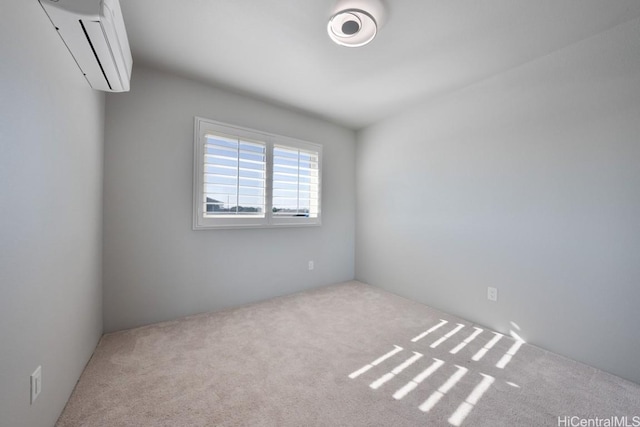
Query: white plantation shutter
245 178
295 182
234 177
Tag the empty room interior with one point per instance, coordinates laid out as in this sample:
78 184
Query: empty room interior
319 213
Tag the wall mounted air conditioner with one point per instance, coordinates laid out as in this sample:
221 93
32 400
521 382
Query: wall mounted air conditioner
94 33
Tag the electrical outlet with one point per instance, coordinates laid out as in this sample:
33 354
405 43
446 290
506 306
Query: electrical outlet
311 266
492 294
36 383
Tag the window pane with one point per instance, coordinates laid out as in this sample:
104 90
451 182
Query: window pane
234 176
251 191
285 209
220 161
295 179
285 152
285 201
252 174
252 146
251 200
284 193
285 185
285 161
285 178
247 155
308 164
220 179
219 170
251 182
222 141
223 201
246 165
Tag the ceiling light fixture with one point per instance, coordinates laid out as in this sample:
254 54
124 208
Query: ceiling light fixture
352 28
355 22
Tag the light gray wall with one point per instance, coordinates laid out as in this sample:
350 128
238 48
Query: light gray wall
528 182
155 266
51 135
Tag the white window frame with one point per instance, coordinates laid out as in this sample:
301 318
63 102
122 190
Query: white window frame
204 127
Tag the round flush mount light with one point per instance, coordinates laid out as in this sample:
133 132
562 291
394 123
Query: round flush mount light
352 27
355 23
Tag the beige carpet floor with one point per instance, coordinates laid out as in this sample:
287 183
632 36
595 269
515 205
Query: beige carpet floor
344 355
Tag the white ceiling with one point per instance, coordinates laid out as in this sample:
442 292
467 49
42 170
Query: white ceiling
278 50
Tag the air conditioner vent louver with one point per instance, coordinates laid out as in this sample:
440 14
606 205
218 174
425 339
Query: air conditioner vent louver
94 33
84 30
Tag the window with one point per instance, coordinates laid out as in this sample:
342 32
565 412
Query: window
295 182
246 178
233 177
